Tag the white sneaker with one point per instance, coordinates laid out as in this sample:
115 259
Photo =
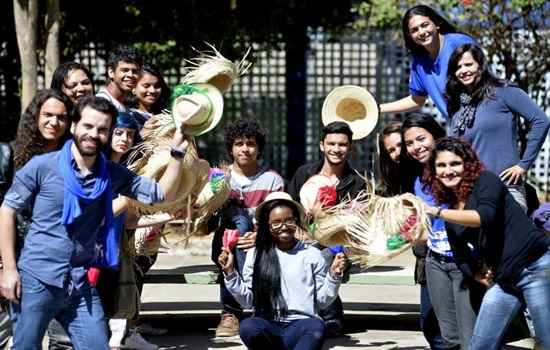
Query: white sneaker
147 329
135 341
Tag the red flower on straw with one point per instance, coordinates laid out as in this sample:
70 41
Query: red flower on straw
327 196
407 229
230 239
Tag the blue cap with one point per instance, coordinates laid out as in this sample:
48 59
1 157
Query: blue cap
125 120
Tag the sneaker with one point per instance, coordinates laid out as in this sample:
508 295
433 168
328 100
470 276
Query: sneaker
135 341
228 326
147 329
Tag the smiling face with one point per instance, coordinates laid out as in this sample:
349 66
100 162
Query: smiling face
77 85
245 152
449 169
467 70
91 132
282 225
335 148
122 140
124 76
392 145
147 90
422 30
52 120
420 143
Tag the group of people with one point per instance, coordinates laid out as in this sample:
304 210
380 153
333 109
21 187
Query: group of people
66 195
483 260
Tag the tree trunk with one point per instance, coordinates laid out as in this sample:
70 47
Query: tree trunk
26 16
52 39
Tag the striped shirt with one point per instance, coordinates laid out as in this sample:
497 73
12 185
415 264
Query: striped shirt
251 191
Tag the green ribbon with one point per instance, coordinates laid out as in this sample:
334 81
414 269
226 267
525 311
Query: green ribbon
186 89
395 242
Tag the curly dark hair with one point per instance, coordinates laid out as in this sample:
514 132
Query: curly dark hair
164 96
244 128
389 170
29 141
443 25
472 168
483 85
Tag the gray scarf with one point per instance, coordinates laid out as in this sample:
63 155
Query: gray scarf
464 117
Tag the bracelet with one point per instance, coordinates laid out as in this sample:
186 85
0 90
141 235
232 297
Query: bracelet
438 213
177 153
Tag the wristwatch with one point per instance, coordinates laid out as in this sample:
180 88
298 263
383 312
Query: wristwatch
177 153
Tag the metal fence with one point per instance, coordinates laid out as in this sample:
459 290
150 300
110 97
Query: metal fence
374 60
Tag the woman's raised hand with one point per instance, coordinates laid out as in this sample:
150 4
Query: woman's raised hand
227 261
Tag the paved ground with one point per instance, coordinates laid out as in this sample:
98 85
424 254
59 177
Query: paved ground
381 305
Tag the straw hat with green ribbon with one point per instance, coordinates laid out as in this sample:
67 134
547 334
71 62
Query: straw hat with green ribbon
198 106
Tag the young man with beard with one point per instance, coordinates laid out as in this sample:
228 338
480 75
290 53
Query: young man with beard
251 182
335 145
71 194
123 68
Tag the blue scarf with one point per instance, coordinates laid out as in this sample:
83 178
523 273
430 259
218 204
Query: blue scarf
108 238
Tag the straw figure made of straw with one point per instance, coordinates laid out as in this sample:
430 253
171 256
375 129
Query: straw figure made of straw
368 223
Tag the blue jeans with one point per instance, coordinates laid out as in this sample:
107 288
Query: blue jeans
79 312
498 307
260 333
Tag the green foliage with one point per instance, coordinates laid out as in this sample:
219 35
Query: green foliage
513 33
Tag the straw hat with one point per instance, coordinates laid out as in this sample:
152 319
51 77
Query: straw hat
353 105
310 189
284 197
212 68
199 106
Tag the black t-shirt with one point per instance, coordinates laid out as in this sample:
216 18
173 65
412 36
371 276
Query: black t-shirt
507 240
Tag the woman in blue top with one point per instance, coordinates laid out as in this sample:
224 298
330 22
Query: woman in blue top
430 39
484 110
449 297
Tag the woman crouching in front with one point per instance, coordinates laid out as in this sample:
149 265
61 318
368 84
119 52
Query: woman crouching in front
510 256
284 281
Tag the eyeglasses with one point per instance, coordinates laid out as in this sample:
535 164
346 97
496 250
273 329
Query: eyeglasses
277 225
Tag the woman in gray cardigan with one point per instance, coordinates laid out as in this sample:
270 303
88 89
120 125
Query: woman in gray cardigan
484 110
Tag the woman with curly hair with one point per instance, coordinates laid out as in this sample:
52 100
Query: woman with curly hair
44 126
286 282
485 111
443 287
505 251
